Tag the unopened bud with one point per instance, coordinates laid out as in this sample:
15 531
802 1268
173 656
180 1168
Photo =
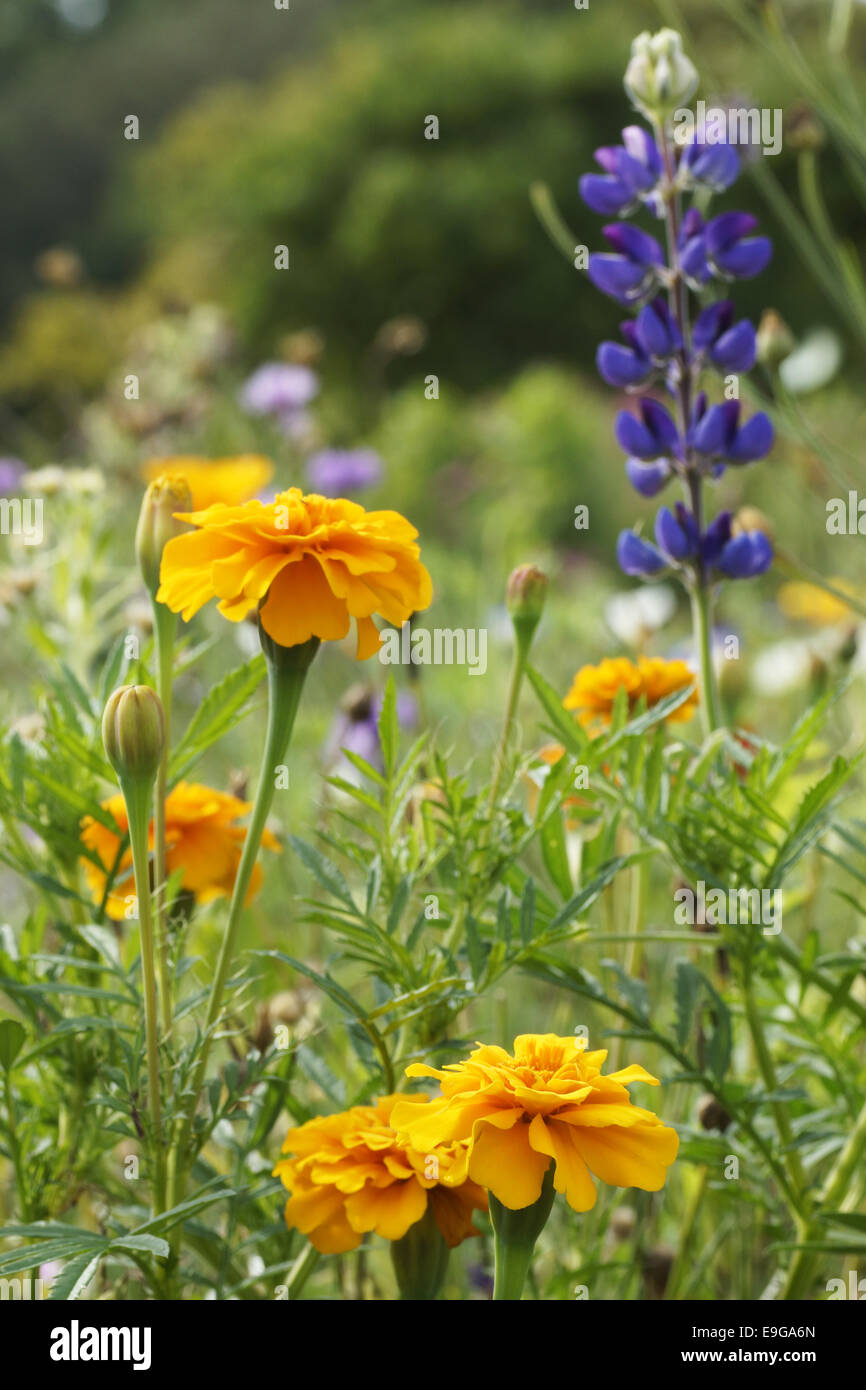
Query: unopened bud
774 339
133 731
712 1114
158 524
751 519
659 77
525 597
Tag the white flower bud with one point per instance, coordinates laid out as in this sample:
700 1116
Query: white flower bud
659 77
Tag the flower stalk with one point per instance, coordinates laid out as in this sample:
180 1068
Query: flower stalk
133 732
515 1234
287 669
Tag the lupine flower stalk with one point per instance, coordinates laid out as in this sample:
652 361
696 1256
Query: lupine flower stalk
668 347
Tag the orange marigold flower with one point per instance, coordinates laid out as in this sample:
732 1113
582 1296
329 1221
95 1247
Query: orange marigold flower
547 1103
352 1173
595 688
228 480
202 838
315 561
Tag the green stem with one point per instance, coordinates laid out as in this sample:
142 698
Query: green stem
15 1150
285 683
790 1157
704 642
515 1234
137 797
833 1198
164 626
686 1230
518 670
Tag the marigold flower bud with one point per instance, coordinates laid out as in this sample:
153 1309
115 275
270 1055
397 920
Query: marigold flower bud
712 1115
751 519
774 340
157 523
659 77
525 597
133 731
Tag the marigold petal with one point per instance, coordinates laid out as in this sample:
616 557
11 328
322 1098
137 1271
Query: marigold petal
388 1211
571 1175
503 1161
637 1156
300 605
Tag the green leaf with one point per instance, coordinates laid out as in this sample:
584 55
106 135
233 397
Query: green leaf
389 728
12 1037
527 912
328 874
219 712
153 1245
687 987
73 1279
563 725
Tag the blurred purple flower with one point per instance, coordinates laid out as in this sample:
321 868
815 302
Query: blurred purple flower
12 471
276 388
337 471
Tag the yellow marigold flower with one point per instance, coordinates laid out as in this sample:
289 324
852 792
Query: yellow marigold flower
547 1103
813 604
595 688
352 1174
228 480
202 839
315 561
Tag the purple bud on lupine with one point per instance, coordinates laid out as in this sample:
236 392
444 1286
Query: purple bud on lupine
746 555
653 436
716 430
629 274
735 351
605 194
648 478
715 538
621 366
716 166
753 441
731 251
730 346
691 247
636 556
677 532
631 172
632 242
657 331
